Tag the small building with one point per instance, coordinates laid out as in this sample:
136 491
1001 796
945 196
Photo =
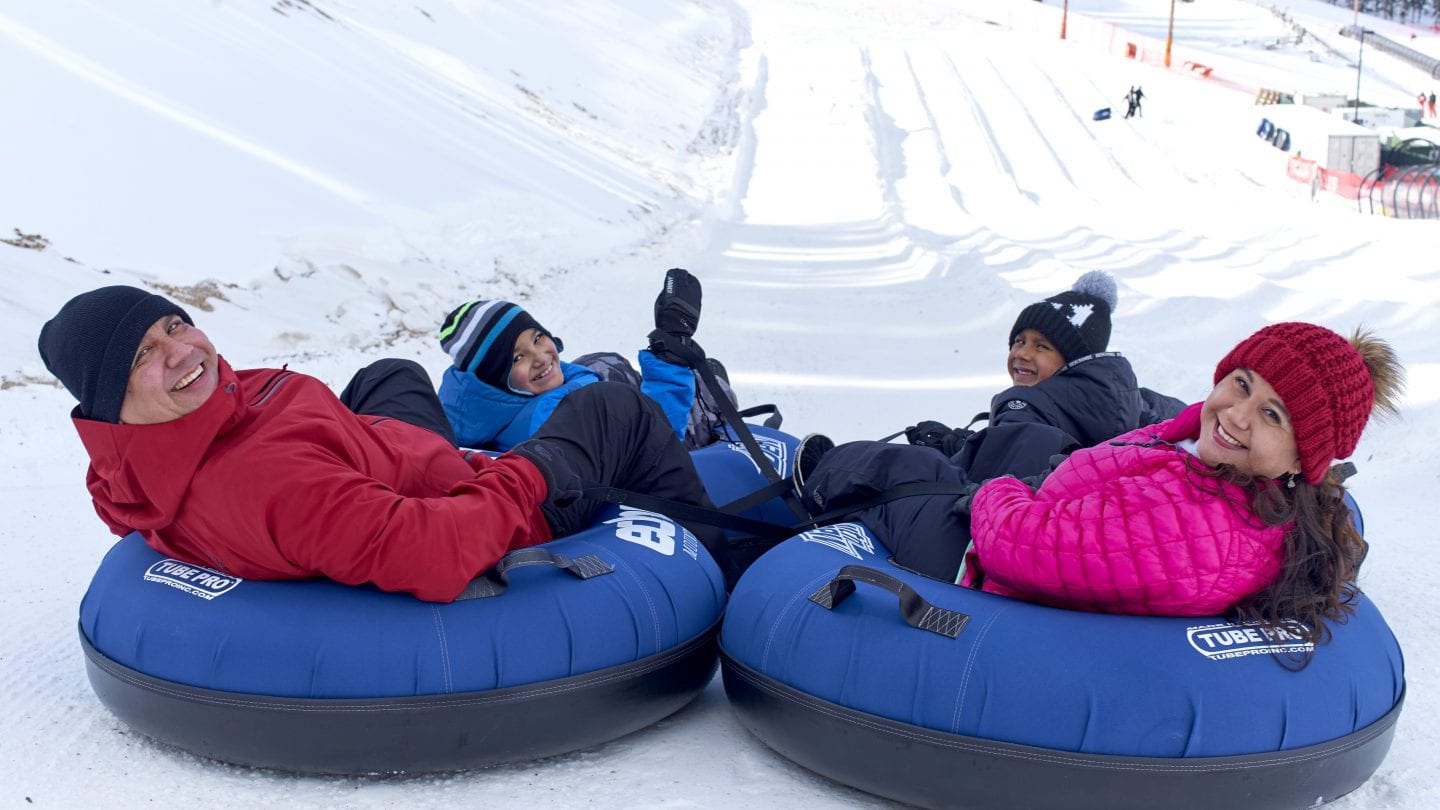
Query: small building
1325 102
1332 142
1381 117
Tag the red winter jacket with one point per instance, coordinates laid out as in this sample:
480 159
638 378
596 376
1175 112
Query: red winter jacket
1125 527
273 478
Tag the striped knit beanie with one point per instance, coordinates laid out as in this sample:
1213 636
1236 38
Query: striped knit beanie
1077 321
480 338
1322 381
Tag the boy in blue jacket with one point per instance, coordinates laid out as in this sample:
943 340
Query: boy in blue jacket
507 377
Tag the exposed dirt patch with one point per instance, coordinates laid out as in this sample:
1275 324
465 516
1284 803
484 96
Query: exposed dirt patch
28 241
196 295
20 379
285 7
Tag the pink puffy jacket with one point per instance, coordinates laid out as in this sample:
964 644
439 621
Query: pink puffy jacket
1125 527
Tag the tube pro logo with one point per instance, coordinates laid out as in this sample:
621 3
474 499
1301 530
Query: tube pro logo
1225 640
195 580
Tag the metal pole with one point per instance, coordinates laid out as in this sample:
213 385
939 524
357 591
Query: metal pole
1065 18
1359 67
1170 33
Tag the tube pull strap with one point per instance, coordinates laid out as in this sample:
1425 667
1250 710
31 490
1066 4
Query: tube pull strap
772 421
916 611
497 580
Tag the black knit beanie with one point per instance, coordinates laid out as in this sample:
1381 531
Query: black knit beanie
480 338
90 343
1077 321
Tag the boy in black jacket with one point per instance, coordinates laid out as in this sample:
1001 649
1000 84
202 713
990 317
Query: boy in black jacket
1067 390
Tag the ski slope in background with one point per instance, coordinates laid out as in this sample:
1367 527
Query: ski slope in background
870 193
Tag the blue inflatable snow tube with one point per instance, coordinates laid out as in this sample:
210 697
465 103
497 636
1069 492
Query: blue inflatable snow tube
942 696
562 646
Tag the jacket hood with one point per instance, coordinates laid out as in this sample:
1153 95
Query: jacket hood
139 474
482 415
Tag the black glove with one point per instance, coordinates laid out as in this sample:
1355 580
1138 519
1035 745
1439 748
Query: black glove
928 434
677 349
939 436
562 483
962 503
677 307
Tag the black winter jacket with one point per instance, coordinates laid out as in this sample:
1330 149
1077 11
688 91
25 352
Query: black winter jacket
1092 399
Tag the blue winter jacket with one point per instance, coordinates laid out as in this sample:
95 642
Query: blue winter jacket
485 417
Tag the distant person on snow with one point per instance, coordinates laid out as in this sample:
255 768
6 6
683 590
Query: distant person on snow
1230 507
506 376
1130 102
1423 100
1432 104
1067 389
1139 98
266 474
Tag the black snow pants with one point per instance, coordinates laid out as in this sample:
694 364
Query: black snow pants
399 389
610 434
924 532
604 434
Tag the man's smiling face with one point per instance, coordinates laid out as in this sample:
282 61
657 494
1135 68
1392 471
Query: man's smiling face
173 373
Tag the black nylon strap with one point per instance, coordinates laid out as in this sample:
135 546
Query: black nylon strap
738 426
677 510
746 502
892 494
916 611
694 357
725 519
497 580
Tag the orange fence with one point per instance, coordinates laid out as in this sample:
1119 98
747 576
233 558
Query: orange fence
1304 170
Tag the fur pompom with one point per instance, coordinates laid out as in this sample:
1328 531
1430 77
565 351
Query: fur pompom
1099 284
1386 373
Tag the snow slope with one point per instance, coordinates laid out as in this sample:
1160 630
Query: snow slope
870 193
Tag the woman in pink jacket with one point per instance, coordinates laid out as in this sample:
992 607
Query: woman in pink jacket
1231 506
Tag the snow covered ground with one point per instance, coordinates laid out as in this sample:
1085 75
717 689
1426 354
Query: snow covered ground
870 192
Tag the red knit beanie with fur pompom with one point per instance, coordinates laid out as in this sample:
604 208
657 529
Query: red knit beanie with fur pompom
1322 381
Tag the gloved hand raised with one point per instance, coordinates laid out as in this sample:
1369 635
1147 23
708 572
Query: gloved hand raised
677 314
677 307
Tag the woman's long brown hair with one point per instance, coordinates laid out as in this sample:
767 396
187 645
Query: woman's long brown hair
1323 550
1322 556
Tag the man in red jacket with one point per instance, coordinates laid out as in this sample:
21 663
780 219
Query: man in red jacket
266 474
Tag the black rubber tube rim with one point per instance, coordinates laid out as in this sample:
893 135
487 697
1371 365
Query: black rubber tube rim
418 734
935 769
